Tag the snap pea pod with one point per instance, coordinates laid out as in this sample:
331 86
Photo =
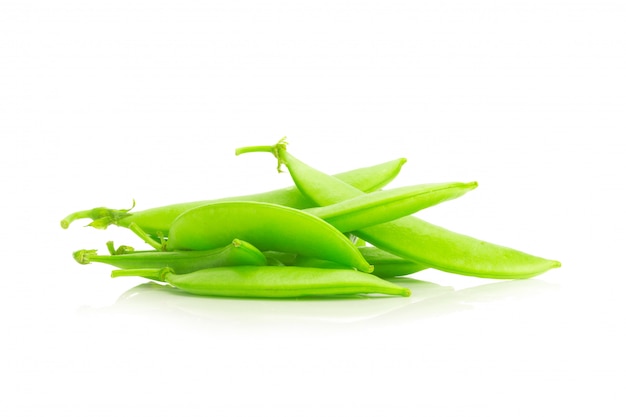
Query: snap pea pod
411 237
157 221
270 281
238 252
267 227
386 205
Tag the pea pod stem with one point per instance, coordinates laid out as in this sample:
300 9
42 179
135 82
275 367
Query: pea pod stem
270 149
101 216
247 149
123 249
155 274
160 245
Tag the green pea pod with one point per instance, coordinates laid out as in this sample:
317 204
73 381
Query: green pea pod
386 205
271 281
269 227
238 252
412 238
157 221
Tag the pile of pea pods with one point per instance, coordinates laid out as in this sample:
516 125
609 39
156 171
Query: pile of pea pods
329 235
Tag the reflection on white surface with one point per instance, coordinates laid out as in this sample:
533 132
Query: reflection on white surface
428 300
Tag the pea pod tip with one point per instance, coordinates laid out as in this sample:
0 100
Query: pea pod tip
82 256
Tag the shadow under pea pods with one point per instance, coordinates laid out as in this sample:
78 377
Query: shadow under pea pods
429 300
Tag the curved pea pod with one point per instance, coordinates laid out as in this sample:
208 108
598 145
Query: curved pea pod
386 265
386 205
412 238
269 227
238 252
157 221
439 248
271 281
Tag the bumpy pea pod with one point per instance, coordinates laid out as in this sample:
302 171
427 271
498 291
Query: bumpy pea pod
269 227
157 221
238 252
270 281
411 237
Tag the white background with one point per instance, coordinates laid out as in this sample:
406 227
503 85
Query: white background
103 102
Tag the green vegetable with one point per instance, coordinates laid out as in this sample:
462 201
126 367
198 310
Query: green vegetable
271 281
157 221
267 227
386 205
327 236
410 237
238 252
